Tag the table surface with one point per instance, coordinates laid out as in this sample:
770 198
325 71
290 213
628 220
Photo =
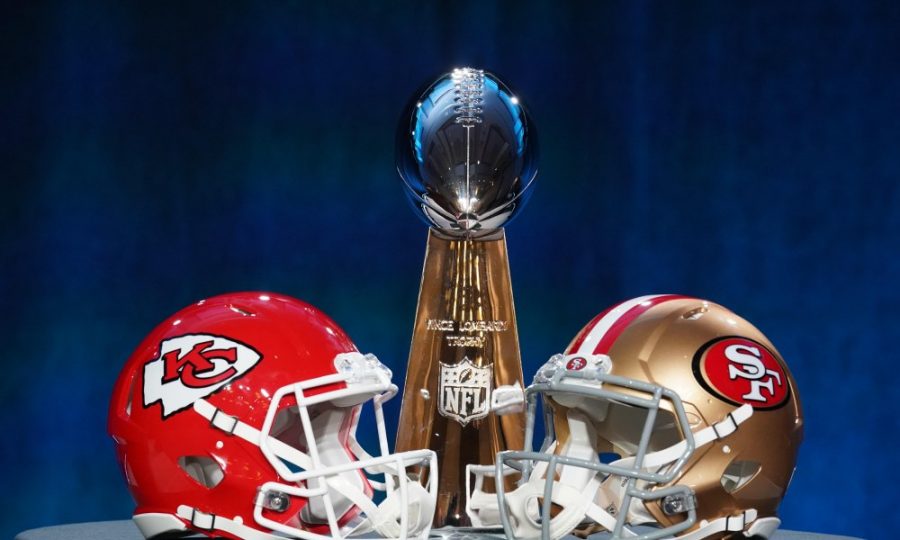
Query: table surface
125 530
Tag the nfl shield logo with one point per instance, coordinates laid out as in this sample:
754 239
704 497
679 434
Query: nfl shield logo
465 391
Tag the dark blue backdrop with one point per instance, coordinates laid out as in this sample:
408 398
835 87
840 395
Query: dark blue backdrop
154 154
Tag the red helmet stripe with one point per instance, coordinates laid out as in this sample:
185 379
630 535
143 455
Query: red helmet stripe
600 334
579 339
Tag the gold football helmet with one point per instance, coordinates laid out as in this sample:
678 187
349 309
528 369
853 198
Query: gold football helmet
665 411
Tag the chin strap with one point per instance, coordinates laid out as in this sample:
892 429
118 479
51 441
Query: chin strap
735 523
385 521
525 507
211 522
598 500
481 507
232 426
719 430
385 518
611 492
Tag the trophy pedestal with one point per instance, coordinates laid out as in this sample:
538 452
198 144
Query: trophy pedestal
464 346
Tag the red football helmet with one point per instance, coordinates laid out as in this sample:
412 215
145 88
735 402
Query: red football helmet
237 417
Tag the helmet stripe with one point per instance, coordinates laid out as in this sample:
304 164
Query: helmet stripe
594 330
583 334
601 333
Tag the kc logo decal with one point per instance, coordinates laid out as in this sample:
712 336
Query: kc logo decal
194 366
740 370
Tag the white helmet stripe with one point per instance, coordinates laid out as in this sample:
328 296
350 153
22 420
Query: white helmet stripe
601 327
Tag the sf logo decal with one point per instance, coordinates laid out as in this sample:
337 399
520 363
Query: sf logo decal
740 370
746 363
576 363
194 366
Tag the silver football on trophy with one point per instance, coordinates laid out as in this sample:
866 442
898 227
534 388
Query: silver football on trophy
467 153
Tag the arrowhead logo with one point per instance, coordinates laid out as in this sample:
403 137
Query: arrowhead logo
193 366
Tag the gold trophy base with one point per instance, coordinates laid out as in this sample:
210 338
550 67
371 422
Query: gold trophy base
464 345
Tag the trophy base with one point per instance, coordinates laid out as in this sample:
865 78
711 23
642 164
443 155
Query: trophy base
464 346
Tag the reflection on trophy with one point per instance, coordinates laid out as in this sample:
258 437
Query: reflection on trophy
467 154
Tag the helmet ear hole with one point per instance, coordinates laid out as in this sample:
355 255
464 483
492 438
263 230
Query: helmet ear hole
738 473
202 469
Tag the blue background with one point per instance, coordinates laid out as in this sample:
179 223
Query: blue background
153 154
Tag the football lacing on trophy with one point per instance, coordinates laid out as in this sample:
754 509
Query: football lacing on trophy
468 85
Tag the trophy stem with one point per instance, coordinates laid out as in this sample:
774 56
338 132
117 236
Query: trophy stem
464 345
